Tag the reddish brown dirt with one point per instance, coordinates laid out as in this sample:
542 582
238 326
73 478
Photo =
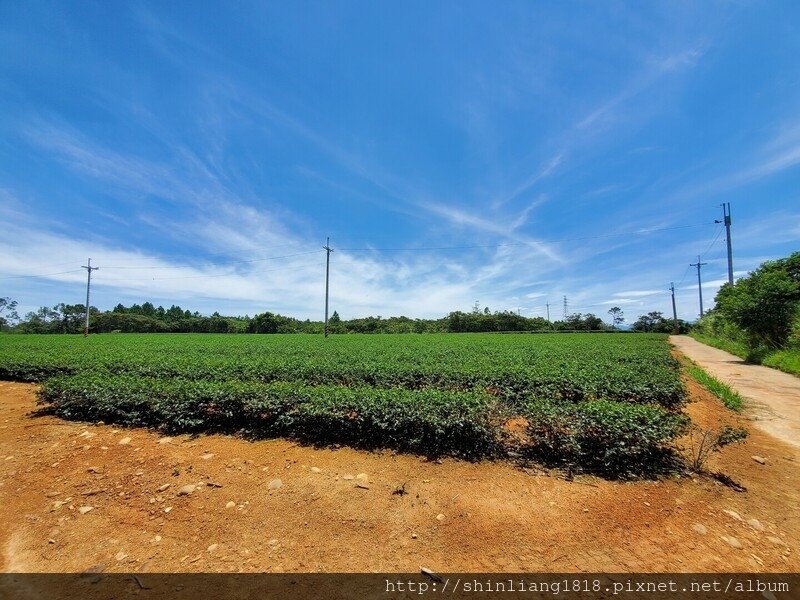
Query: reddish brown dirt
494 516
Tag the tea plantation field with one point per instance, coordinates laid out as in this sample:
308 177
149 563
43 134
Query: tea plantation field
606 403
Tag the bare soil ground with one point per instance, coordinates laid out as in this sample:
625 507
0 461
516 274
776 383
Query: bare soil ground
453 517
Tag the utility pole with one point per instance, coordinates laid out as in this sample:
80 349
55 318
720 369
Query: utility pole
89 268
726 212
328 250
565 308
674 310
699 264
548 311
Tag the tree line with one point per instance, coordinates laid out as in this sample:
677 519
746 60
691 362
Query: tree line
148 318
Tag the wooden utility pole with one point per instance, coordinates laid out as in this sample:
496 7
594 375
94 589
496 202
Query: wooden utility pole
89 268
674 310
328 250
699 264
726 211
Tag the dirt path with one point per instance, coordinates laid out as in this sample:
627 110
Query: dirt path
454 515
773 396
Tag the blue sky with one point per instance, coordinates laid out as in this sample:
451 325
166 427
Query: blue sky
510 153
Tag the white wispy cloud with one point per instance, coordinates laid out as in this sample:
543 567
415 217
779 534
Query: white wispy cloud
463 218
656 68
543 172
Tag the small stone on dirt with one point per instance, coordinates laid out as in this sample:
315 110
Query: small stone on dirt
165 440
162 488
733 514
413 536
347 477
186 490
316 470
85 509
230 505
755 524
698 528
362 477
776 540
759 459
440 517
362 485
52 494
121 556
732 542
207 456
213 547
124 441
169 508
275 484
426 571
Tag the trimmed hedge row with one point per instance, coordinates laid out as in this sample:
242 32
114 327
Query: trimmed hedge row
429 421
603 436
630 368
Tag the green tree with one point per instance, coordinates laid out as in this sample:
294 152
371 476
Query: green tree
8 312
650 322
264 323
764 304
617 316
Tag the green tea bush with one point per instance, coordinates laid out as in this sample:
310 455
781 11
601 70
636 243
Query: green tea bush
430 421
600 402
603 436
570 367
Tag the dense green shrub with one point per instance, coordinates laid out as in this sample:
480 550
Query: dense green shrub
597 401
603 436
571 367
429 421
765 304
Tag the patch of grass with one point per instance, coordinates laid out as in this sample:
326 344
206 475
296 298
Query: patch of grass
724 392
785 360
737 348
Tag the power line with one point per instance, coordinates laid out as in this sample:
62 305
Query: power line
713 241
205 276
512 244
209 264
41 275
